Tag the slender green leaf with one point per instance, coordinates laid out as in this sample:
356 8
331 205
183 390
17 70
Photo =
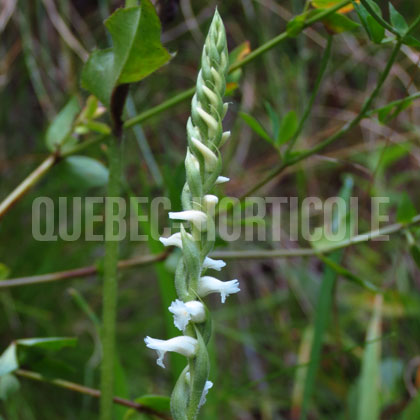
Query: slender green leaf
397 20
50 343
323 309
339 23
256 127
406 210
288 127
9 385
369 385
8 360
61 126
90 171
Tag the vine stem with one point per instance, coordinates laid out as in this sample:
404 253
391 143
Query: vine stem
27 183
110 289
233 255
338 134
71 386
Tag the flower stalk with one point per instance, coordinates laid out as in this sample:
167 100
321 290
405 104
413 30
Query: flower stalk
196 238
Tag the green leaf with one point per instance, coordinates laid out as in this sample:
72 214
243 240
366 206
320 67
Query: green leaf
296 25
412 42
406 210
375 31
92 172
136 52
49 343
156 402
288 127
274 119
8 360
369 385
397 20
347 274
339 23
412 410
256 127
4 271
9 385
415 254
61 126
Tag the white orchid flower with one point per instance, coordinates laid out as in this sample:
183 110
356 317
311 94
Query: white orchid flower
208 284
196 217
184 312
213 264
187 346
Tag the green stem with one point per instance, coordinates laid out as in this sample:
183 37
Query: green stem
379 18
110 288
338 134
27 184
71 386
324 62
228 255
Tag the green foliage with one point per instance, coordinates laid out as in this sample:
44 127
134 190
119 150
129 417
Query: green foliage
406 210
369 396
136 52
20 349
397 20
91 172
374 29
62 125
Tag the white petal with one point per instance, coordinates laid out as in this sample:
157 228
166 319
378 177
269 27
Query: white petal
173 240
181 314
213 264
208 284
184 345
187 311
197 217
207 386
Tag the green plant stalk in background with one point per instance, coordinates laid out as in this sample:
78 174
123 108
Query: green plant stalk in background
110 287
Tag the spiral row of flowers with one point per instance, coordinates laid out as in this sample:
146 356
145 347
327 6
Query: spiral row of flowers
197 235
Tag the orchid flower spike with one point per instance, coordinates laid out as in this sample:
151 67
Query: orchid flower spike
208 284
187 346
184 312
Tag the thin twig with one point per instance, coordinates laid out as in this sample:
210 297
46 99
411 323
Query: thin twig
71 386
239 255
81 272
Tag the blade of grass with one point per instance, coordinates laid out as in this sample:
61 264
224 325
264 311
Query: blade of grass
322 312
369 387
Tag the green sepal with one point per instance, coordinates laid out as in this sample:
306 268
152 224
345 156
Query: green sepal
193 176
181 281
205 328
192 259
180 397
199 373
211 177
